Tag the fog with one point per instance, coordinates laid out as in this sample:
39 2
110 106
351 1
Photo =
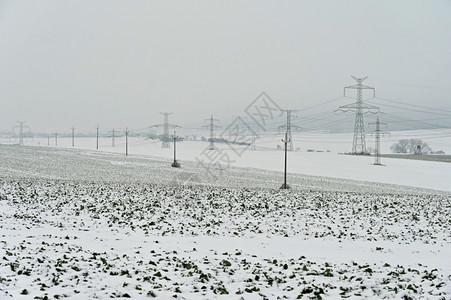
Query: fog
119 63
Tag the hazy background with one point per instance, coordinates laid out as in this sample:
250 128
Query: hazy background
119 63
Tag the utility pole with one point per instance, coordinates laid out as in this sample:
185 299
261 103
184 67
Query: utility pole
73 136
175 164
165 138
285 141
97 144
377 133
288 127
113 144
48 139
56 139
358 142
212 126
126 141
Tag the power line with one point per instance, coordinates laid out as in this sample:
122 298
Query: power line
416 110
411 84
414 105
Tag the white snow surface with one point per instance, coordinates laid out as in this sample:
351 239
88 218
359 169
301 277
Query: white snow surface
414 173
82 223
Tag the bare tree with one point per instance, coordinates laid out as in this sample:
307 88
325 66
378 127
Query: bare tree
416 146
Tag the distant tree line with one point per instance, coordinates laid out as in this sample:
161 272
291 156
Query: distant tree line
413 146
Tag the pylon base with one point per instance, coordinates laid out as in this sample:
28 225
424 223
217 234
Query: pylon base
285 187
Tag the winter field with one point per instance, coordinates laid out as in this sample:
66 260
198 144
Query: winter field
82 223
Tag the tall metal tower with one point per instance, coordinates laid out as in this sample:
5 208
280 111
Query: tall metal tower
288 127
378 133
358 142
21 127
165 137
212 133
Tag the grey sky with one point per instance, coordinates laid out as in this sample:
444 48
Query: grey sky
119 63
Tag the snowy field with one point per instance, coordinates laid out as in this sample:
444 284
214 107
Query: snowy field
423 174
92 224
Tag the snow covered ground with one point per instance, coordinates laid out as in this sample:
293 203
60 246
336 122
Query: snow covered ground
423 174
92 224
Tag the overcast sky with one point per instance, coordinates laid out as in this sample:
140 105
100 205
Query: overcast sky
119 63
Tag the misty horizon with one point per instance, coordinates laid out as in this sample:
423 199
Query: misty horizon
119 64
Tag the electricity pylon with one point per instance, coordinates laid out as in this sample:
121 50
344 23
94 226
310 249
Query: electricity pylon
165 138
56 139
288 127
21 127
358 142
378 133
212 133
113 141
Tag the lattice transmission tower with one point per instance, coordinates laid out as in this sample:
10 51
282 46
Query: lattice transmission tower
212 127
358 142
165 137
113 137
377 132
288 127
21 128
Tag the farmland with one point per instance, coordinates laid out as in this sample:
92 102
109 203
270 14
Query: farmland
85 224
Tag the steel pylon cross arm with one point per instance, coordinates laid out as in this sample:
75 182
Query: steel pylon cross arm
359 86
